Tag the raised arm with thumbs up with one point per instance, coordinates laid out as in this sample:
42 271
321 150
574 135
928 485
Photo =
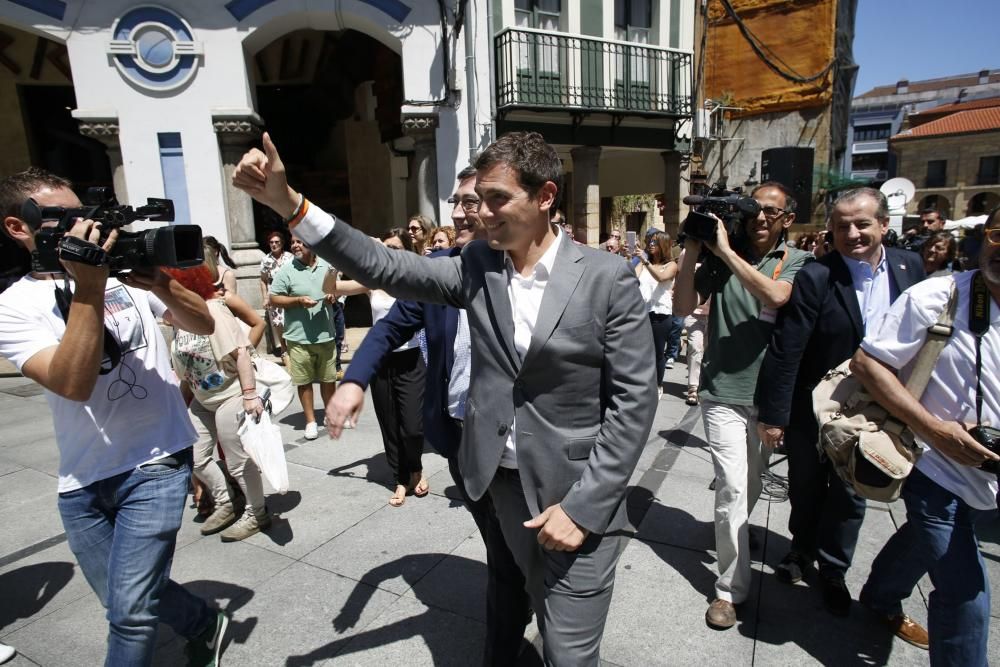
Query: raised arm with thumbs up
261 174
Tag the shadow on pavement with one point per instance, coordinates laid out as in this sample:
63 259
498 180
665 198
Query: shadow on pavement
218 594
376 470
280 531
427 625
26 590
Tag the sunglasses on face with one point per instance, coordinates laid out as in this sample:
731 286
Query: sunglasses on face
772 212
414 229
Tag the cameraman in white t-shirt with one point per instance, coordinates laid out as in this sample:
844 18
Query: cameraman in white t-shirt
123 433
947 491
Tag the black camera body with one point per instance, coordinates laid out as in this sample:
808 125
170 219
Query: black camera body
990 439
731 206
174 246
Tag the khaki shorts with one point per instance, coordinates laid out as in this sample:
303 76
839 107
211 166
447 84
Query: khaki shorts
316 362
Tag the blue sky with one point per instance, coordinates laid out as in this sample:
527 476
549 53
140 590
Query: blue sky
924 39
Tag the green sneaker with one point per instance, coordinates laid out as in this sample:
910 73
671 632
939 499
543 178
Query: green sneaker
205 649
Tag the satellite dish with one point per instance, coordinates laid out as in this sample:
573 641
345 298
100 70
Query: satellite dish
898 192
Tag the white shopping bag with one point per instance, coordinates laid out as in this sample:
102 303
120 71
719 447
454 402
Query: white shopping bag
262 442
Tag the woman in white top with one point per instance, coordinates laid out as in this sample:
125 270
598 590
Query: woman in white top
656 271
398 390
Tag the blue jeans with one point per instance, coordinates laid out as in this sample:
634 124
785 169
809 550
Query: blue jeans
674 338
938 538
122 531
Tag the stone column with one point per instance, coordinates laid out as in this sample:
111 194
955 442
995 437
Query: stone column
672 192
237 132
105 130
421 127
586 194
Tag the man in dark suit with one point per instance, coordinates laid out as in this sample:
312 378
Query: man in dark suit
448 357
835 301
561 393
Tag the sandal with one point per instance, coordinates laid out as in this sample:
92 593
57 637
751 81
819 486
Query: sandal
421 488
399 497
692 396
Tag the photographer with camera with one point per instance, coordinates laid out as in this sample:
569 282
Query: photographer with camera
121 427
954 482
748 274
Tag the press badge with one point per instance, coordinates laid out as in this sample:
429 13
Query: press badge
768 314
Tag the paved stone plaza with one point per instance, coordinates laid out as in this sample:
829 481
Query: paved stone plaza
342 578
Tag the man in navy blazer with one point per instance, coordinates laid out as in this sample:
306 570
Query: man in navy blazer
507 603
835 301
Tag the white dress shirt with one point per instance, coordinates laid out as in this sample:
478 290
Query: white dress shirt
874 290
525 294
458 384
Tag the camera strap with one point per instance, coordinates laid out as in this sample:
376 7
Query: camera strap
64 297
979 324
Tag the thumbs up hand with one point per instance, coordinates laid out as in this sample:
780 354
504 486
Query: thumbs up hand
261 174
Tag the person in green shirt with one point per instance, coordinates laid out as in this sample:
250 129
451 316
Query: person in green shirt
747 286
304 287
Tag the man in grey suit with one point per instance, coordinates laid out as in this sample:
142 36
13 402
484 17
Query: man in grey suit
562 394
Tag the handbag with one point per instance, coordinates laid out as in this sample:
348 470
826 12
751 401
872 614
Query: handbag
870 450
270 375
261 440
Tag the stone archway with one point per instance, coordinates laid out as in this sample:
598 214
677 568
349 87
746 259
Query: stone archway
983 203
37 127
939 203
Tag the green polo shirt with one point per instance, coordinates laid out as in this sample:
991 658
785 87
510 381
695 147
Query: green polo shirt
738 330
304 325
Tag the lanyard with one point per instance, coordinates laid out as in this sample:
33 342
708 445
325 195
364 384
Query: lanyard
979 324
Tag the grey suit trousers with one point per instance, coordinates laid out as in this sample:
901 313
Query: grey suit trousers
570 591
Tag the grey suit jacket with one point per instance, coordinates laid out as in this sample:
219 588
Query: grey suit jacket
584 394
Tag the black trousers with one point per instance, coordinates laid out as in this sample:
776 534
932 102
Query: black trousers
398 395
508 606
826 515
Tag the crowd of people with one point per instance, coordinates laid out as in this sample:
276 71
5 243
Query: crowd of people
534 364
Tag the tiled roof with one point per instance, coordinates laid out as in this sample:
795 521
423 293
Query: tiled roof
960 122
960 106
961 80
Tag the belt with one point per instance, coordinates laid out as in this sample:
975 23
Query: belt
508 473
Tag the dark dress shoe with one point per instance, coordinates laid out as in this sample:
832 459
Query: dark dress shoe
790 568
836 597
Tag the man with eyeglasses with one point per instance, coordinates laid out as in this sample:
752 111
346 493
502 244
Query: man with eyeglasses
747 286
836 301
947 491
448 369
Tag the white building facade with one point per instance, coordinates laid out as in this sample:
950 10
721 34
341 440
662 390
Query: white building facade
376 105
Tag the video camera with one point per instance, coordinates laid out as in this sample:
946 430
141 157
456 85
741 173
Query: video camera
731 206
176 246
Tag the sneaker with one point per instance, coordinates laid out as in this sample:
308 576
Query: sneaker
721 614
6 653
223 517
670 362
205 649
312 431
248 525
790 568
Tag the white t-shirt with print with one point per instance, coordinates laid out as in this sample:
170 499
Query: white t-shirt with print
135 413
951 392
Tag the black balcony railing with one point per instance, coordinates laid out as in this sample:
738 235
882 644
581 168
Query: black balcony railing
551 70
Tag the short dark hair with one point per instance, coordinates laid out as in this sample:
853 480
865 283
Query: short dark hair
882 204
466 173
534 161
16 188
928 211
790 202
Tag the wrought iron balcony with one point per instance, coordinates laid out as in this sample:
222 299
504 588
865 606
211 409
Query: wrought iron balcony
537 69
